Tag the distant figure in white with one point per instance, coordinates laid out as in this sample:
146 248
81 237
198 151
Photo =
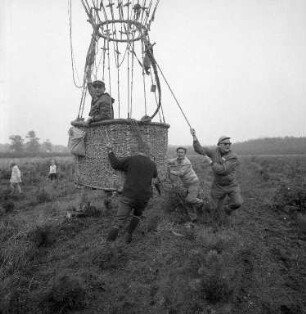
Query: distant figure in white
15 178
52 172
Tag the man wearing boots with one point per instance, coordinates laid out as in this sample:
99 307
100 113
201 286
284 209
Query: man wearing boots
224 165
140 170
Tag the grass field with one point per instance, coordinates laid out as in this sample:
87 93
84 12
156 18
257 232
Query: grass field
251 262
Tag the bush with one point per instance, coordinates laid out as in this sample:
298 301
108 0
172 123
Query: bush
42 236
290 197
215 278
43 196
66 293
8 206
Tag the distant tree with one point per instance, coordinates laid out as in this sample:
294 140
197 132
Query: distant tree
16 145
46 146
32 145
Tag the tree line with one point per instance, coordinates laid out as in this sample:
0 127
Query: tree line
264 146
30 146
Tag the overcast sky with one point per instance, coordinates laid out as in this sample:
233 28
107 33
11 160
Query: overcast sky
236 67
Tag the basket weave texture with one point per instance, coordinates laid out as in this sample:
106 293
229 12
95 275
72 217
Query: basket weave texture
94 170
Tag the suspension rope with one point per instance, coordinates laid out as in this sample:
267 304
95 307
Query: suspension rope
103 53
143 7
144 91
82 103
109 72
177 102
161 114
118 78
99 63
136 129
132 79
144 83
147 13
74 70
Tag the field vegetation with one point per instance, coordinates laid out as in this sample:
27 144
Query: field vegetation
253 261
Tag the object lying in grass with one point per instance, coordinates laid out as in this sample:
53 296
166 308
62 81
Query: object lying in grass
184 232
84 210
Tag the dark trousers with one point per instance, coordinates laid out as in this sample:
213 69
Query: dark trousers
126 206
220 193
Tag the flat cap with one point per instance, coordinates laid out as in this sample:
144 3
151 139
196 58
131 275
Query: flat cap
223 138
98 83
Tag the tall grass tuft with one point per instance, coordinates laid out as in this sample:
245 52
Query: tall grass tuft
66 293
43 196
41 236
216 281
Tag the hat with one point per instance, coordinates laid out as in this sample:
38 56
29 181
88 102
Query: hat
223 138
98 83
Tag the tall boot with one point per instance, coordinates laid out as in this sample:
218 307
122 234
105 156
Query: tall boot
132 226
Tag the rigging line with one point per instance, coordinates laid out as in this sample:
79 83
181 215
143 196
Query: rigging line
177 102
104 12
153 14
96 65
116 53
110 4
144 91
132 81
82 103
109 72
156 100
132 49
132 9
143 9
88 11
126 49
118 87
147 13
128 56
100 59
135 128
116 57
128 82
74 70
144 83
104 51
120 17
96 15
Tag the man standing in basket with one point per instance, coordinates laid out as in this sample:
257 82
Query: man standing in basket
224 165
140 170
101 104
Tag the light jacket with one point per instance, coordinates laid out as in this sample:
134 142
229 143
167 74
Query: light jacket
184 170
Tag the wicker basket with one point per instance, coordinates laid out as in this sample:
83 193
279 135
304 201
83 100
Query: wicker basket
94 169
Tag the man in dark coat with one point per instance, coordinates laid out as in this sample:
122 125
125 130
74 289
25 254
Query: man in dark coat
140 170
101 104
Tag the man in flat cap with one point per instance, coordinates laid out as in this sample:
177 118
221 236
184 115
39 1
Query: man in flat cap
224 165
101 104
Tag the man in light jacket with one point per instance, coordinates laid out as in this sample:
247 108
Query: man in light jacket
183 169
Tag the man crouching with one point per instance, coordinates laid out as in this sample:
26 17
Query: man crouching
140 170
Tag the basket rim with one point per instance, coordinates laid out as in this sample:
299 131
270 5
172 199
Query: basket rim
118 121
